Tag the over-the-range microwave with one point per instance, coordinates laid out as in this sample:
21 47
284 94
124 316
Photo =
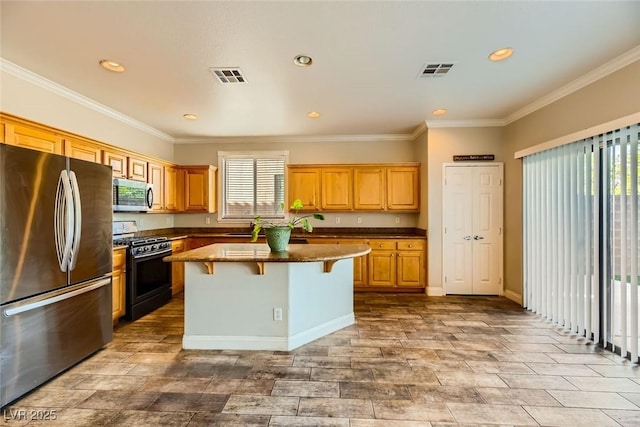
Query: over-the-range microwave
131 196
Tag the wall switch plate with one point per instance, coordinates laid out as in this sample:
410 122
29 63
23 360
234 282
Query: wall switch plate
277 313
337 220
397 220
207 220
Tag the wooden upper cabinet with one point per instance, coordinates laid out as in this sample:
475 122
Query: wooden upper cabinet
369 190
83 150
2 132
155 175
403 188
304 184
137 169
173 189
337 189
117 161
199 189
33 138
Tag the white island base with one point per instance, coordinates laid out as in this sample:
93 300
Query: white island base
236 305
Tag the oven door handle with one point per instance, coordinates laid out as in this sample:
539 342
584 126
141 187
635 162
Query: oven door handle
154 254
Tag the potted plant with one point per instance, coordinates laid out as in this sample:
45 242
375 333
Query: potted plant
279 232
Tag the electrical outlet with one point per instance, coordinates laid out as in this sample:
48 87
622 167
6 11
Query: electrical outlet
277 313
397 220
337 220
207 220
359 220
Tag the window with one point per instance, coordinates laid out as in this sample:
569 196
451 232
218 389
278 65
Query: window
252 184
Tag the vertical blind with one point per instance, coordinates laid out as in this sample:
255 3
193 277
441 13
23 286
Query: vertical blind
252 186
560 234
581 237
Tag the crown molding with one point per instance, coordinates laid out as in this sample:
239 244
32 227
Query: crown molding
465 123
297 138
37 80
602 71
422 128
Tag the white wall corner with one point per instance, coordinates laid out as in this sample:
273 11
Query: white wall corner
434 291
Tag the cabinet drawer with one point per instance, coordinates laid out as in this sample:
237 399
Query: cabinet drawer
177 246
382 244
410 245
119 259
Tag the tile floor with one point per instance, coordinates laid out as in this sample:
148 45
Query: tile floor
410 360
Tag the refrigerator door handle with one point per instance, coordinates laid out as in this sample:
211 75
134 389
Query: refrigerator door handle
60 296
77 222
63 219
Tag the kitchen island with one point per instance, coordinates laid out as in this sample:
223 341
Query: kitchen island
245 297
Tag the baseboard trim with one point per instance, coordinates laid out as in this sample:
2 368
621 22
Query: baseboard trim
223 342
433 291
513 296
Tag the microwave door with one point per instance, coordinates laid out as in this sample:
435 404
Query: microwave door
29 262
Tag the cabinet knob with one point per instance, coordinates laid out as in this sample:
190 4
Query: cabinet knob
410 246
382 246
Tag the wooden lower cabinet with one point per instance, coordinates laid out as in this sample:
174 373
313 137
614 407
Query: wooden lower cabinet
397 264
118 284
177 268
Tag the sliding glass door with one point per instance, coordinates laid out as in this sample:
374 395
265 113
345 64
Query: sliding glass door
621 256
581 238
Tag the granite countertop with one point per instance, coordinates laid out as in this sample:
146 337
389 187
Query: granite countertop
243 252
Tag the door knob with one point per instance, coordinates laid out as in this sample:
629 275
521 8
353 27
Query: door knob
467 237
478 238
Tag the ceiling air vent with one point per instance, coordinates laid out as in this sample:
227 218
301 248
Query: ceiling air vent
228 75
435 70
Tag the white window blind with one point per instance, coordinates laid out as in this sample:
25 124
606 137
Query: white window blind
581 237
560 204
252 185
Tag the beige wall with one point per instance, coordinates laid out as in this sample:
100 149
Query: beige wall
610 98
443 143
421 148
303 153
29 101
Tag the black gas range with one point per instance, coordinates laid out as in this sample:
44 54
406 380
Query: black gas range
148 277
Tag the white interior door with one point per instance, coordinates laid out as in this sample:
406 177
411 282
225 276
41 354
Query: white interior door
472 232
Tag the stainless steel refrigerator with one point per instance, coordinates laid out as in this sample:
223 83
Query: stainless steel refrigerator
55 265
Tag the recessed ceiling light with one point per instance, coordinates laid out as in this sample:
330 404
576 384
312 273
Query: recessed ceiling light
190 117
313 114
302 60
114 66
501 54
439 112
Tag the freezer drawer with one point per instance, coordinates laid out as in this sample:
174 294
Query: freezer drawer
41 337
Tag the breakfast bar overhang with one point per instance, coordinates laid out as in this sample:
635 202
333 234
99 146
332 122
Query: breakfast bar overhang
246 297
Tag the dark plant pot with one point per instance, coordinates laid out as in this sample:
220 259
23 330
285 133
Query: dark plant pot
278 238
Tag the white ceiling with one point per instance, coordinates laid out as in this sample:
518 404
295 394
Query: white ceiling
366 59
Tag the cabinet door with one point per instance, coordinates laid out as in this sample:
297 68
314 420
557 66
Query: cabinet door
156 179
118 283
199 189
173 194
304 184
83 150
117 161
177 268
33 138
369 190
337 193
403 188
382 268
410 268
137 169
360 264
